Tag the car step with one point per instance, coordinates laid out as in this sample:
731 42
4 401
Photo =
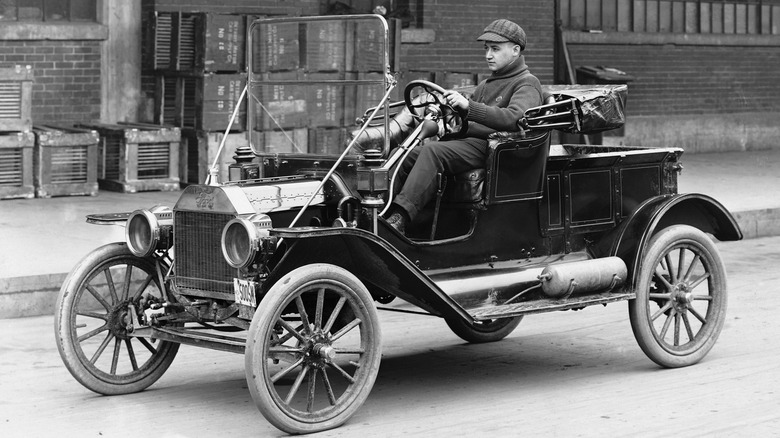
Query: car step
547 305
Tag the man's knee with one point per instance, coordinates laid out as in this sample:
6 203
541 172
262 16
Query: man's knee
432 153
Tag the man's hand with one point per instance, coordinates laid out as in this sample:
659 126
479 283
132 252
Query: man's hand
456 101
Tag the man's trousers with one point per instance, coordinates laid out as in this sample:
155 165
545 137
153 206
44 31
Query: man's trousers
418 172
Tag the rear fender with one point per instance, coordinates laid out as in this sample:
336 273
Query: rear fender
700 211
383 269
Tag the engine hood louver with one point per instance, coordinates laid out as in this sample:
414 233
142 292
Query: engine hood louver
248 199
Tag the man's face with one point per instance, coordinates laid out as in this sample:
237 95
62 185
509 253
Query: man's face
499 55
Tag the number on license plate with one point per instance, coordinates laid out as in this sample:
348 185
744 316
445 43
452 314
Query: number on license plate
245 292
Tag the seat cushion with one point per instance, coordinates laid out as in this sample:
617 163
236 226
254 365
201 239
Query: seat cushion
465 187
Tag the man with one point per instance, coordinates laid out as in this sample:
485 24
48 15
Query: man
497 104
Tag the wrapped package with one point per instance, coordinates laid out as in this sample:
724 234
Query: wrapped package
581 109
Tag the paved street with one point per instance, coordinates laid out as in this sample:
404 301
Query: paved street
558 375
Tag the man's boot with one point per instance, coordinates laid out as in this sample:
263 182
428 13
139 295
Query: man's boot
398 220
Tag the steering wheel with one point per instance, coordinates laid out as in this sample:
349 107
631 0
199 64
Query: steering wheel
454 124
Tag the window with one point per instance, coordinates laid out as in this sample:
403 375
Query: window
48 10
753 17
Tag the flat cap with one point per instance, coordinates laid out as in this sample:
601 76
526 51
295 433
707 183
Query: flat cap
503 30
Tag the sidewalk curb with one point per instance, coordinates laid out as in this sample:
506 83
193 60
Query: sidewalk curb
36 295
33 295
758 223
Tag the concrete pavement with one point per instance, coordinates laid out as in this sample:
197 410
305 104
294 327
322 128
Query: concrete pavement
560 374
42 239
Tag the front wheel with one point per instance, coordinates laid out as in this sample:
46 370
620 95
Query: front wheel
680 303
484 331
91 322
313 349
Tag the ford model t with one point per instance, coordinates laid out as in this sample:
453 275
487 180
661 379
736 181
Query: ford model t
287 257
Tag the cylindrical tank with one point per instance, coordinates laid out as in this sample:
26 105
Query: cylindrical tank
563 279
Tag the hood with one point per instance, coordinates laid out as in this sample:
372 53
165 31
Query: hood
249 199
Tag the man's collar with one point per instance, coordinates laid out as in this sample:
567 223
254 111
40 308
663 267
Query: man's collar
517 66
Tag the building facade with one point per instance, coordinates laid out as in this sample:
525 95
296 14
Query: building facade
704 71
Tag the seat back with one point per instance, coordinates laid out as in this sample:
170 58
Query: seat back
516 166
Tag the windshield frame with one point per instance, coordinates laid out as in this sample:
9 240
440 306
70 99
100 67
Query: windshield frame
257 79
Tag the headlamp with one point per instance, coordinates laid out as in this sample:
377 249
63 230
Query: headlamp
149 230
241 239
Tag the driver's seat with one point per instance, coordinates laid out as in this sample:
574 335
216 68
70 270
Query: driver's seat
530 151
514 171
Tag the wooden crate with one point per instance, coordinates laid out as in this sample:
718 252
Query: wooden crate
194 42
276 48
361 97
137 157
368 41
454 80
280 105
328 141
16 165
65 161
326 46
220 44
198 149
199 101
157 41
16 98
317 101
287 141
326 100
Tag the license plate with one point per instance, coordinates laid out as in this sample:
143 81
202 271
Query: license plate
245 292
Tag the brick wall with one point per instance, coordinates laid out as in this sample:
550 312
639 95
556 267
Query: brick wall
271 7
66 88
458 23
676 79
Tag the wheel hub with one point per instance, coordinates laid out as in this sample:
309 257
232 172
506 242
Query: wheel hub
682 296
326 352
118 319
319 350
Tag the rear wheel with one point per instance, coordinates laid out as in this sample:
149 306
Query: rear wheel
680 303
484 331
313 349
91 322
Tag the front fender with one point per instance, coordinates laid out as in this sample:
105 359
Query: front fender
701 211
383 269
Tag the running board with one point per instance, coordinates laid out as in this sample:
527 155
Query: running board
546 305
191 337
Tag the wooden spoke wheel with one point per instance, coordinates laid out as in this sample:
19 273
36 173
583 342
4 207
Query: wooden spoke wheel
484 331
313 349
681 296
91 322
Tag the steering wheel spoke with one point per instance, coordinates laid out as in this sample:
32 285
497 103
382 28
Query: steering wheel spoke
432 94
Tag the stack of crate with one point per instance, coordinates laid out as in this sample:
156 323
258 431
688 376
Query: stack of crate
294 116
65 161
137 157
315 117
16 138
194 66
195 69
455 80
